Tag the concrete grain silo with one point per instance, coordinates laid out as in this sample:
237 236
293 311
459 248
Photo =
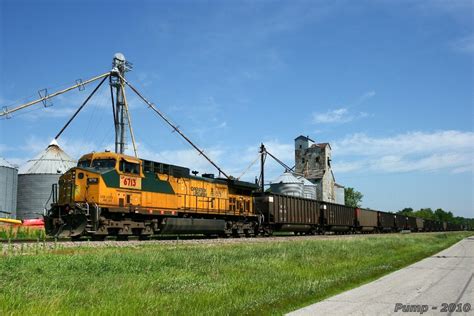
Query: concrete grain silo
8 188
36 178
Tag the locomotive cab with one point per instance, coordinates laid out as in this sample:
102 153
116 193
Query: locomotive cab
85 190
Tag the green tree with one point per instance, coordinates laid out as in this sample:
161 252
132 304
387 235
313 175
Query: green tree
443 216
407 211
352 197
425 213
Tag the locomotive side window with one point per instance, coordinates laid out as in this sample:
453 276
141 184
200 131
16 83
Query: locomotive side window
148 166
129 167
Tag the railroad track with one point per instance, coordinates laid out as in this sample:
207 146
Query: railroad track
27 246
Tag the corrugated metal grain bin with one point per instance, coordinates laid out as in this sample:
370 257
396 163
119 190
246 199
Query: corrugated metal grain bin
287 184
340 194
411 223
309 188
386 221
284 209
8 188
36 177
366 219
401 221
338 217
420 223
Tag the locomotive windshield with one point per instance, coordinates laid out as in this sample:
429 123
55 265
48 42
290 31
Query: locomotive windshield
84 163
103 163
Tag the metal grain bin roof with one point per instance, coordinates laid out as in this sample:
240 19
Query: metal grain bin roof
4 163
53 160
287 184
287 177
306 182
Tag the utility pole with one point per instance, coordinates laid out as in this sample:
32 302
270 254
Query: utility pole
263 152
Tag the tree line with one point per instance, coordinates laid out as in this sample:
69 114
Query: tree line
437 215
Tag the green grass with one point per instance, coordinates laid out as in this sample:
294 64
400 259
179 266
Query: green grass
213 279
11 232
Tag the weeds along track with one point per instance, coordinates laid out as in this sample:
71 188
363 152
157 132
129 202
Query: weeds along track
15 247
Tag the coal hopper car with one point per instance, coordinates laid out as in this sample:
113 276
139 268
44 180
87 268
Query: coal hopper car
386 222
366 220
337 218
280 212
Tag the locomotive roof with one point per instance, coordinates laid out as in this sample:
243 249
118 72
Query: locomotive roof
172 169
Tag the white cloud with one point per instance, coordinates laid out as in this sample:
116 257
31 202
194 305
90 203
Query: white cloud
366 96
343 114
451 151
340 115
464 44
407 143
332 116
413 151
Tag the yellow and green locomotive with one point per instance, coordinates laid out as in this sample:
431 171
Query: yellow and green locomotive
119 195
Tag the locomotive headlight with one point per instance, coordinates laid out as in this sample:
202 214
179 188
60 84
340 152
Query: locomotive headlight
92 180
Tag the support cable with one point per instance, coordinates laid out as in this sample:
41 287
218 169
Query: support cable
175 128
49 96
112 98
80 108
279 161
248 168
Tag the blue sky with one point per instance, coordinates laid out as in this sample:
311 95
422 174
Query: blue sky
388 83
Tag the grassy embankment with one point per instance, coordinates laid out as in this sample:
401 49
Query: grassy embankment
273 277
12 232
